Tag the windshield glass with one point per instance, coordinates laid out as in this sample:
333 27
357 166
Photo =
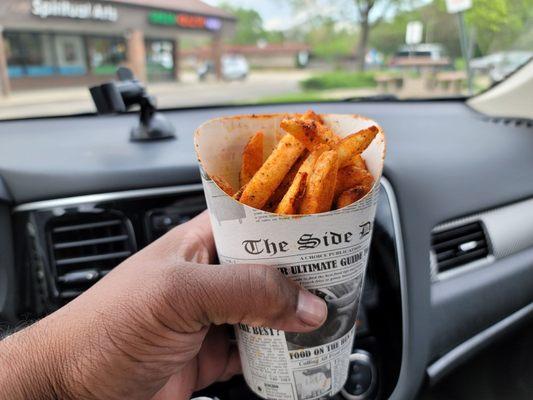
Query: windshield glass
196 53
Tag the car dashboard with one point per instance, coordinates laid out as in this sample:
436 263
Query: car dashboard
451 262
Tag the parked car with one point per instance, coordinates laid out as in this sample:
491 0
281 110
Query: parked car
435 51
500 65
424 55
234 67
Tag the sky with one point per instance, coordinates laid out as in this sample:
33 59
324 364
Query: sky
277 14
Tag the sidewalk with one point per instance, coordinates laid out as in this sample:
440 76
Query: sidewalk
189 92
81 93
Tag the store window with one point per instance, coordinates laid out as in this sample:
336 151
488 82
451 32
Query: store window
29 54
106 54
71 57
41 55
160 59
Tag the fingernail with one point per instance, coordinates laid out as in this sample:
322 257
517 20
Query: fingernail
311 309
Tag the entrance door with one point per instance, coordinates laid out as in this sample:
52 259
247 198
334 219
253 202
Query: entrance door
160 59
70 55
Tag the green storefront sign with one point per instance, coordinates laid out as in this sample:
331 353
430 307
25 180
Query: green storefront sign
184 20
162 18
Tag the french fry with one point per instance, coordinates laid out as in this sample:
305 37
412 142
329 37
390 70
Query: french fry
223 184
310 132
321 187
291 201
304 166
358 161
237 196
356 143
268 178
252 158
303 130
310 114
350 177
350 196
308 165
280 191
328 136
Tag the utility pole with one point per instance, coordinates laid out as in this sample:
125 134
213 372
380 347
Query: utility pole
5 87
465 50
459 7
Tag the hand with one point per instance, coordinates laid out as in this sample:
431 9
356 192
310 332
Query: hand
153 327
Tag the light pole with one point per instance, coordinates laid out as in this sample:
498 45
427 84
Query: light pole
465 46
459 7
5 87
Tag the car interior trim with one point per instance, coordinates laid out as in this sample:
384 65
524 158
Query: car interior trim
151 192
4 193
105 197
507 97
437 276
459 354
393 204
508 231
366 358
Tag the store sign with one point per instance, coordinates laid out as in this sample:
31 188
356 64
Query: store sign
455 6
75 10
184 20
413 33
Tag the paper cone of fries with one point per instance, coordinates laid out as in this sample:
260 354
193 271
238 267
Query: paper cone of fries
325 252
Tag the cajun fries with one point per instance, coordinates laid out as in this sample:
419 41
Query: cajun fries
352 176
311 170
278 194
272 172
319 193
310 132
224 185
355 144
350 196
290 203
252 158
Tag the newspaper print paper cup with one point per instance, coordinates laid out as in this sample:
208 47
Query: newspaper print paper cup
326 253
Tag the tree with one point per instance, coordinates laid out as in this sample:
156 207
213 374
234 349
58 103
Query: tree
249 28
499 23
439 27
328 41
371 13
367 14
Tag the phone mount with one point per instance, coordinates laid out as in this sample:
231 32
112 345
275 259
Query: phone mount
120 96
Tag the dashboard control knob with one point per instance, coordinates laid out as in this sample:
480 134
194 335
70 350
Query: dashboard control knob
362 377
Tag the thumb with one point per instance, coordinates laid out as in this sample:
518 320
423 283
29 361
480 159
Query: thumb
257 295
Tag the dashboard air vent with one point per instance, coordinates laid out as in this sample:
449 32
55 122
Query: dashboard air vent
517 122
459 245
85 247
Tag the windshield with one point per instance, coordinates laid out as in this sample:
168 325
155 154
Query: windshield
197 53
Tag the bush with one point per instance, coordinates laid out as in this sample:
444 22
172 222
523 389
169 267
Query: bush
339 79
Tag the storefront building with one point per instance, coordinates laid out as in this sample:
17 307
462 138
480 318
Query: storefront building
51 43
287 55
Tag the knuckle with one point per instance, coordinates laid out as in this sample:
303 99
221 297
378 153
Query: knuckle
179 294
270 293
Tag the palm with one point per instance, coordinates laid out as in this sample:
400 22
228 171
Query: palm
217 360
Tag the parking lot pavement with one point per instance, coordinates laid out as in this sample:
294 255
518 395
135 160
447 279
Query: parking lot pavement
189 92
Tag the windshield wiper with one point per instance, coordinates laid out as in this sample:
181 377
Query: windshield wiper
392 97
376 97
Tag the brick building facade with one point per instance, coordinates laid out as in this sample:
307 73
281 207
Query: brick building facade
50 43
